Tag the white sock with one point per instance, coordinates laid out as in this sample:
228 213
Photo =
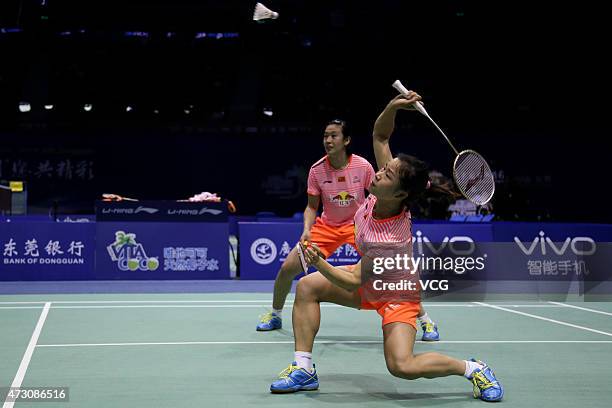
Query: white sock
425 319
303 359
470 367
277 312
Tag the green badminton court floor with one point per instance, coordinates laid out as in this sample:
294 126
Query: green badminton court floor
202 350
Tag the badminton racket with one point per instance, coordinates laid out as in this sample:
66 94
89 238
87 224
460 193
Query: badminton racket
471 172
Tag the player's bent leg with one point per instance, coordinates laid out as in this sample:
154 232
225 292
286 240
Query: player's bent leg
282 286
403 363
311 291
284 279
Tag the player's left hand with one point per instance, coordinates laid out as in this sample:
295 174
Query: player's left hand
313 254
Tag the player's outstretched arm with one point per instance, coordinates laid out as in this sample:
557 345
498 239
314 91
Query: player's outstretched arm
385 123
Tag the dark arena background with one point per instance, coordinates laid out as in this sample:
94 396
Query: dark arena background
155 302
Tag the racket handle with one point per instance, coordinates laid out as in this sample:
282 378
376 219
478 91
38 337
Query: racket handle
402 89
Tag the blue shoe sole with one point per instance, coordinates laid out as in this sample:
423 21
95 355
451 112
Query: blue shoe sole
426 339
312 387
498 399
273 328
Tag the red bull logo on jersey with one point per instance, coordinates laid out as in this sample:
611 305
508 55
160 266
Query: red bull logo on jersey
343 199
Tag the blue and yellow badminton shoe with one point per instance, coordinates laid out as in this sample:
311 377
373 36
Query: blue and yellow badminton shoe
270 321
430 332
293 379
486 385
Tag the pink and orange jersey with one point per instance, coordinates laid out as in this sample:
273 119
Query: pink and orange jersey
342 191
386 238
369 231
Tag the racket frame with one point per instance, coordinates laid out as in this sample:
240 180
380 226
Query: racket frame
463 192
300 251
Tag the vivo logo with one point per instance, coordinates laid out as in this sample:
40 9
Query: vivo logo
457 244
543 242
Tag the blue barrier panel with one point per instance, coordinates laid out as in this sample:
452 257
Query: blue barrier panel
162 240
162 250
264 246
451 232
551 251
529 232
161 211
46 251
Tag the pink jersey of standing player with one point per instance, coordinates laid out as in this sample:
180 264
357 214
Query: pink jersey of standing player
341 191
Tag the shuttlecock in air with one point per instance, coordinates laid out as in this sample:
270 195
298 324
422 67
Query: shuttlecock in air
263 13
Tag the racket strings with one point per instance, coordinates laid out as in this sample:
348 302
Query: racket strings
474 177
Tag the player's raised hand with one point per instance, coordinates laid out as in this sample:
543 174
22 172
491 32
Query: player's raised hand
405 102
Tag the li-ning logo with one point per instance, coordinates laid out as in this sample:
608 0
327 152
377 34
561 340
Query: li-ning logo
204 210
587 243
129 210
129 254
146 209
456 245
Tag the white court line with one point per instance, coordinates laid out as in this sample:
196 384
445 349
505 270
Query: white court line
545 319
140 301
27 356
180 306
225 306
20 307
430 304
534 305
170 301
582 308
180 343
261 306
262 301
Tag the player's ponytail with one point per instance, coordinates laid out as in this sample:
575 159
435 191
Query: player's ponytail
415 180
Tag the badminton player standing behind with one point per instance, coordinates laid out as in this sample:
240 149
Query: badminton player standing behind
382 221
339 180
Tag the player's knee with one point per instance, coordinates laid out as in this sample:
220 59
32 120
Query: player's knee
307 288
288 270
403 369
